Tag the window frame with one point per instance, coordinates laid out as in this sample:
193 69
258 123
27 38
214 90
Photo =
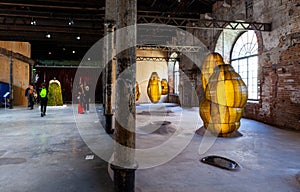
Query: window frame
247 58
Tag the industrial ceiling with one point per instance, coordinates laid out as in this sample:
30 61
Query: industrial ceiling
56 28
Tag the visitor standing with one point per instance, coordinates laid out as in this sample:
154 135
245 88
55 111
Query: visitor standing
43 99
30 96
80 99
87 99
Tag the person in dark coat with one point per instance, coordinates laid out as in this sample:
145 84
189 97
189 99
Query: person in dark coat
43 99
87 99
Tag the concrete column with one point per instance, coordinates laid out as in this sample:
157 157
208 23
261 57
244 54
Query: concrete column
11 83
109 25
108 111
124 164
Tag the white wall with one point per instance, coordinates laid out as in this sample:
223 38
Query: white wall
144 70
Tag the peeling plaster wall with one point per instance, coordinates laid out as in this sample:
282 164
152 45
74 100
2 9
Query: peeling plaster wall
21 70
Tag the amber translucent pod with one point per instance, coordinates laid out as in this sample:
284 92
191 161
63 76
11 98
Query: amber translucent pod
164 87
154 88
226 87
137 91
212 112
222 129
219 119
225 96
211 61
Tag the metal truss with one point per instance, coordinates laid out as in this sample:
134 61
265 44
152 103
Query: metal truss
205 24
171 48
154 59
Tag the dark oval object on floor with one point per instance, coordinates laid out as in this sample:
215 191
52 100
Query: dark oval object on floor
221 162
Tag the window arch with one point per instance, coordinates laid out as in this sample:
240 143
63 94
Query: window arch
175 63
244 59
176 77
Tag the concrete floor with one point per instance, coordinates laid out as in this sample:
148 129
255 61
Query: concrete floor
49 153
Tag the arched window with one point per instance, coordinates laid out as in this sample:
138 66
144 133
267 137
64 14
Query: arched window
174 62
176 77
244 59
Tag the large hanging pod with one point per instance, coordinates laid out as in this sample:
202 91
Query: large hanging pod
225 96
164 87
226 87
211 61
219 119
137 91
154 88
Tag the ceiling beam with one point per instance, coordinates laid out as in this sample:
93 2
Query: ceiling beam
171 48
53 16
17 56
51 29
78 7
204 24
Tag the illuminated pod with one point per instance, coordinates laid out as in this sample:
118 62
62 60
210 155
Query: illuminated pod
211 61
226 87
154 88
164 87
220 120
225 96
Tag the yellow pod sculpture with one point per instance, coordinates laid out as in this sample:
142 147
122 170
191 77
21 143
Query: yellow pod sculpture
154 88
226 87
225 96
211 61
220 119
164 87
137 91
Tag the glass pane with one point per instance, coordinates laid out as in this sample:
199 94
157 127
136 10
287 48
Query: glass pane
235 66
176 77
245 61
252 79
246 45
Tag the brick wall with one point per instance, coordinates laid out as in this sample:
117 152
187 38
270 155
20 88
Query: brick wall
279 65
280 91
279 59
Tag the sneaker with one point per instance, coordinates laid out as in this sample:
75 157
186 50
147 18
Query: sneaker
42 115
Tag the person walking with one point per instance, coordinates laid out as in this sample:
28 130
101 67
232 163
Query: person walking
43 99
80 99
87 99
27 96
30 96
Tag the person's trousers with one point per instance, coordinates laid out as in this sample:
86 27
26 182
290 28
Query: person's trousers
43 105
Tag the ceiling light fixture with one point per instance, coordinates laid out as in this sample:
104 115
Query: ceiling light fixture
78 37
73 52
48 35
33 22
71 22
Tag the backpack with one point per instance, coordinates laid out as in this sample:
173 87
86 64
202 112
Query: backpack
43 93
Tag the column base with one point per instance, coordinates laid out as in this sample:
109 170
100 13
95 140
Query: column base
109 123
124 178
